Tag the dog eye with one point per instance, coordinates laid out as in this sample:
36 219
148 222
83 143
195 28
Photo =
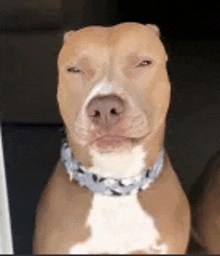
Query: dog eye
144 63
73 70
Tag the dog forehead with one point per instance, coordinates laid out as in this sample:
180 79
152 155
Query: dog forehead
136 37
87 36
86 41
122 38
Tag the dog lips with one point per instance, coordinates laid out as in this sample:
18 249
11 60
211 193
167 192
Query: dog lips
110 141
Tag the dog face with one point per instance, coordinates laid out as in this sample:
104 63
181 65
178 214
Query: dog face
113 90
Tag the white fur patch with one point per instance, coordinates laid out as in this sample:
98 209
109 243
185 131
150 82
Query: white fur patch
119 165
102 88
119 226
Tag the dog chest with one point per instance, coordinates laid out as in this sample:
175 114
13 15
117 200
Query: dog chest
119 225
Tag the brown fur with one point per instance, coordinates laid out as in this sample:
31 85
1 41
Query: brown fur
112 53
62 213
170 209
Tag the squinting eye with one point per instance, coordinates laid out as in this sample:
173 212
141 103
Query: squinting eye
73 70
144 63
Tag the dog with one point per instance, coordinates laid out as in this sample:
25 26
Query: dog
204 197
114 189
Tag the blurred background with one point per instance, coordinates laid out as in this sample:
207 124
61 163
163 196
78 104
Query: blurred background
31 33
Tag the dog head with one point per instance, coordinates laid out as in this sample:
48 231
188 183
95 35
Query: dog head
113 90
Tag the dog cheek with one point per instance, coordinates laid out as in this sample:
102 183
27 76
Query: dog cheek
65 105
70 90
161 106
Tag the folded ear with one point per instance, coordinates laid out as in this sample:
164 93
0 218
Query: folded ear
154 28
67 34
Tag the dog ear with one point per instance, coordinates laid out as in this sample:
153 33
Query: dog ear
154 28
67 34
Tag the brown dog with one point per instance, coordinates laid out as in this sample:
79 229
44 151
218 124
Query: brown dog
206 210
119 194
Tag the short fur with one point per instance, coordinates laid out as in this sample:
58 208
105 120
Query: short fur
123 66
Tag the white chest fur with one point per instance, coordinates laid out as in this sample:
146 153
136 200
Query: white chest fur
119 225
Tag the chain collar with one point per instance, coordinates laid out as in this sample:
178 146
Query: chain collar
106 185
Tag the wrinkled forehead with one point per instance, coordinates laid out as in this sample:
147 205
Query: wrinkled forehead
118 40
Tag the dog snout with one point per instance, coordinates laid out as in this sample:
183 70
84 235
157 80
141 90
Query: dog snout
105 110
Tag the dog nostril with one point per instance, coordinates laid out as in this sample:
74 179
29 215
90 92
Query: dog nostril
97 113
113 111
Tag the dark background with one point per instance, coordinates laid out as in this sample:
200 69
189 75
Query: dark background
31 34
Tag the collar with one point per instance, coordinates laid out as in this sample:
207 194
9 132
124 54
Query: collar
107 185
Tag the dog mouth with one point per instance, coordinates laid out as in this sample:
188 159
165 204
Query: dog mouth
114 141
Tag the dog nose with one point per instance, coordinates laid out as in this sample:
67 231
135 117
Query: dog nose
105 110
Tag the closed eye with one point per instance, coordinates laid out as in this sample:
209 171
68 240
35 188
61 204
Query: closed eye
73 70
145 63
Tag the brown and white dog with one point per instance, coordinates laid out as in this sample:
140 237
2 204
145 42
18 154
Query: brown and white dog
113 96
205 197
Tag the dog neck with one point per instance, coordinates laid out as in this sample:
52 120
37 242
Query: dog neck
109 186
